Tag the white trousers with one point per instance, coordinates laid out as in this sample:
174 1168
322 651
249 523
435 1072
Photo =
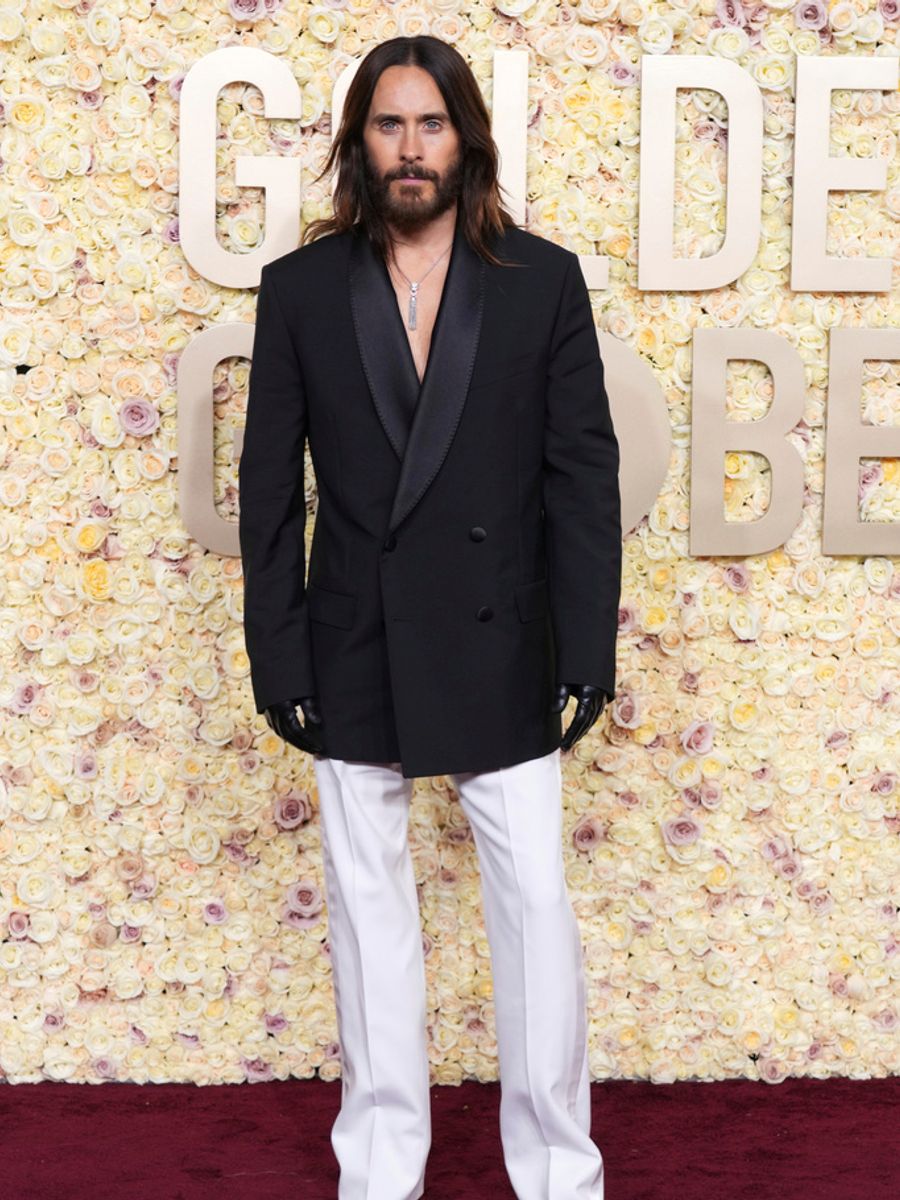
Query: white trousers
382 1134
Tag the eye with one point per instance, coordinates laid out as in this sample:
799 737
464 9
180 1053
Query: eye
433 121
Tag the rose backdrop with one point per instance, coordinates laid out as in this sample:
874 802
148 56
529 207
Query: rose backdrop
732 822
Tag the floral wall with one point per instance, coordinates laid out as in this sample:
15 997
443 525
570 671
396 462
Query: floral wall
731 824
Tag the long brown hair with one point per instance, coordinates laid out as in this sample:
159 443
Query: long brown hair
479 206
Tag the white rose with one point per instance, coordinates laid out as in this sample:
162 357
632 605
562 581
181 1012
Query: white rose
870 27
728 42
202 843
655 35
772 72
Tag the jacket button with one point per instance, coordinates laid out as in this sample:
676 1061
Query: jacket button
477 534
391 543
484 614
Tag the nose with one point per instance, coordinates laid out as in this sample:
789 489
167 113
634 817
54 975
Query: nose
410 146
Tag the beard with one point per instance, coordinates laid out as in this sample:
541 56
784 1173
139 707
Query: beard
410 208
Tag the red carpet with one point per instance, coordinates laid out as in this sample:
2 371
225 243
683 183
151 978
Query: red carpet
737 1140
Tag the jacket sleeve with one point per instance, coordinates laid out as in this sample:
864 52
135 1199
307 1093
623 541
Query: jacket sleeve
272 511
582 516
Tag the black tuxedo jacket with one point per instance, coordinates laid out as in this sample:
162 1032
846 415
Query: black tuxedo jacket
466 553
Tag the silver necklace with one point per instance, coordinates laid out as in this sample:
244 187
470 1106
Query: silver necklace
414 288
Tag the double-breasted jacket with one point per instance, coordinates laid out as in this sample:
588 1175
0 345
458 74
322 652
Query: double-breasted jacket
466 549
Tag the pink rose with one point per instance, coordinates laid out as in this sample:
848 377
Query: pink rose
710 794
139 417
24 698
623 74
737 577
627 618
884 782
104 1067
811 14
625 710
304 898
292 809
295 920
838 984
215 913
237 854
143 888
257 1070
870 476
680 831
698 737
774 847
691 797
242 740
885 1020
730 12
788 866
587 833
18 923
248 10
771 1070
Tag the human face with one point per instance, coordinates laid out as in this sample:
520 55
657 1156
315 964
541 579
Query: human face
409 133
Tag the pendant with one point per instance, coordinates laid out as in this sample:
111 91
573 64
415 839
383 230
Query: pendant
412 305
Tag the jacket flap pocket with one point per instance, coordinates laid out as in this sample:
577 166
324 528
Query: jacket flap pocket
331 608
532 600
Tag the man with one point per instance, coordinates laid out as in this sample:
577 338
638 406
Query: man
463 584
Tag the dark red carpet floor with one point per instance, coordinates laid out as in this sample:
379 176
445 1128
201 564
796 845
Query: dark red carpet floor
737 1140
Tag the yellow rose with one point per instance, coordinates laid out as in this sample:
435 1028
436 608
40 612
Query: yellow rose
655 619
618 246
95 579
26 113
743 715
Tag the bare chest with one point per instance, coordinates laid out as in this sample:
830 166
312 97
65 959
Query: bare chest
428 300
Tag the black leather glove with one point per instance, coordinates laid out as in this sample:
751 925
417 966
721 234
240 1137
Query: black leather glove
282 717
591 702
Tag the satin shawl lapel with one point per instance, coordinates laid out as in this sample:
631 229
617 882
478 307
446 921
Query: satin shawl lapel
419 422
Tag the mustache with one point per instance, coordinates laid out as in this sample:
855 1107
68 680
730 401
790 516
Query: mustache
410 172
